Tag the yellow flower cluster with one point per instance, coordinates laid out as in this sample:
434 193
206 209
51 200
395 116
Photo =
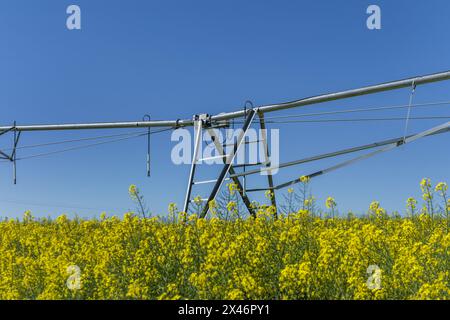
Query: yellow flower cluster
305 179
296 256
330 203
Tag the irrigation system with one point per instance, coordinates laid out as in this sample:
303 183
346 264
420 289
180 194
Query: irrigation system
228 172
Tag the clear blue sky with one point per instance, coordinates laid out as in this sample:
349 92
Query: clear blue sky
173 59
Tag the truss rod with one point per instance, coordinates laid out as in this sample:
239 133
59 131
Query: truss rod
240 113
336 153
402 141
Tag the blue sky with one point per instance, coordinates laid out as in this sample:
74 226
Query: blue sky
173 59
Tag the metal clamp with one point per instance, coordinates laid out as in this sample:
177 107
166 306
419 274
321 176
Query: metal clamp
13 157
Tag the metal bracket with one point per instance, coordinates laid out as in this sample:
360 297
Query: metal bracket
13 156
204 118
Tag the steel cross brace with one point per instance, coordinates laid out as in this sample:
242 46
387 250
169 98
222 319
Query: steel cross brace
236 180
228 162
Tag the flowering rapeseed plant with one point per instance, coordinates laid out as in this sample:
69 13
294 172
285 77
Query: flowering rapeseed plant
296 256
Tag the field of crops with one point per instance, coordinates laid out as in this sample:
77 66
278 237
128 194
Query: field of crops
299 255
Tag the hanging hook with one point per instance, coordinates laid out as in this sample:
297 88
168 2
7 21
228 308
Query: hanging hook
148 118
247 103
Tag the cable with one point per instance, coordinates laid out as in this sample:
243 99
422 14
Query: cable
429 104
362 110
76 148
361 119
88 145
73 140
358 119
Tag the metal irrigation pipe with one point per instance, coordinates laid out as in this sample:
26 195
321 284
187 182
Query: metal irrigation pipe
392 85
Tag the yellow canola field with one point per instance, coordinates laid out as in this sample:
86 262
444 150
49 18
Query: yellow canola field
297 256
